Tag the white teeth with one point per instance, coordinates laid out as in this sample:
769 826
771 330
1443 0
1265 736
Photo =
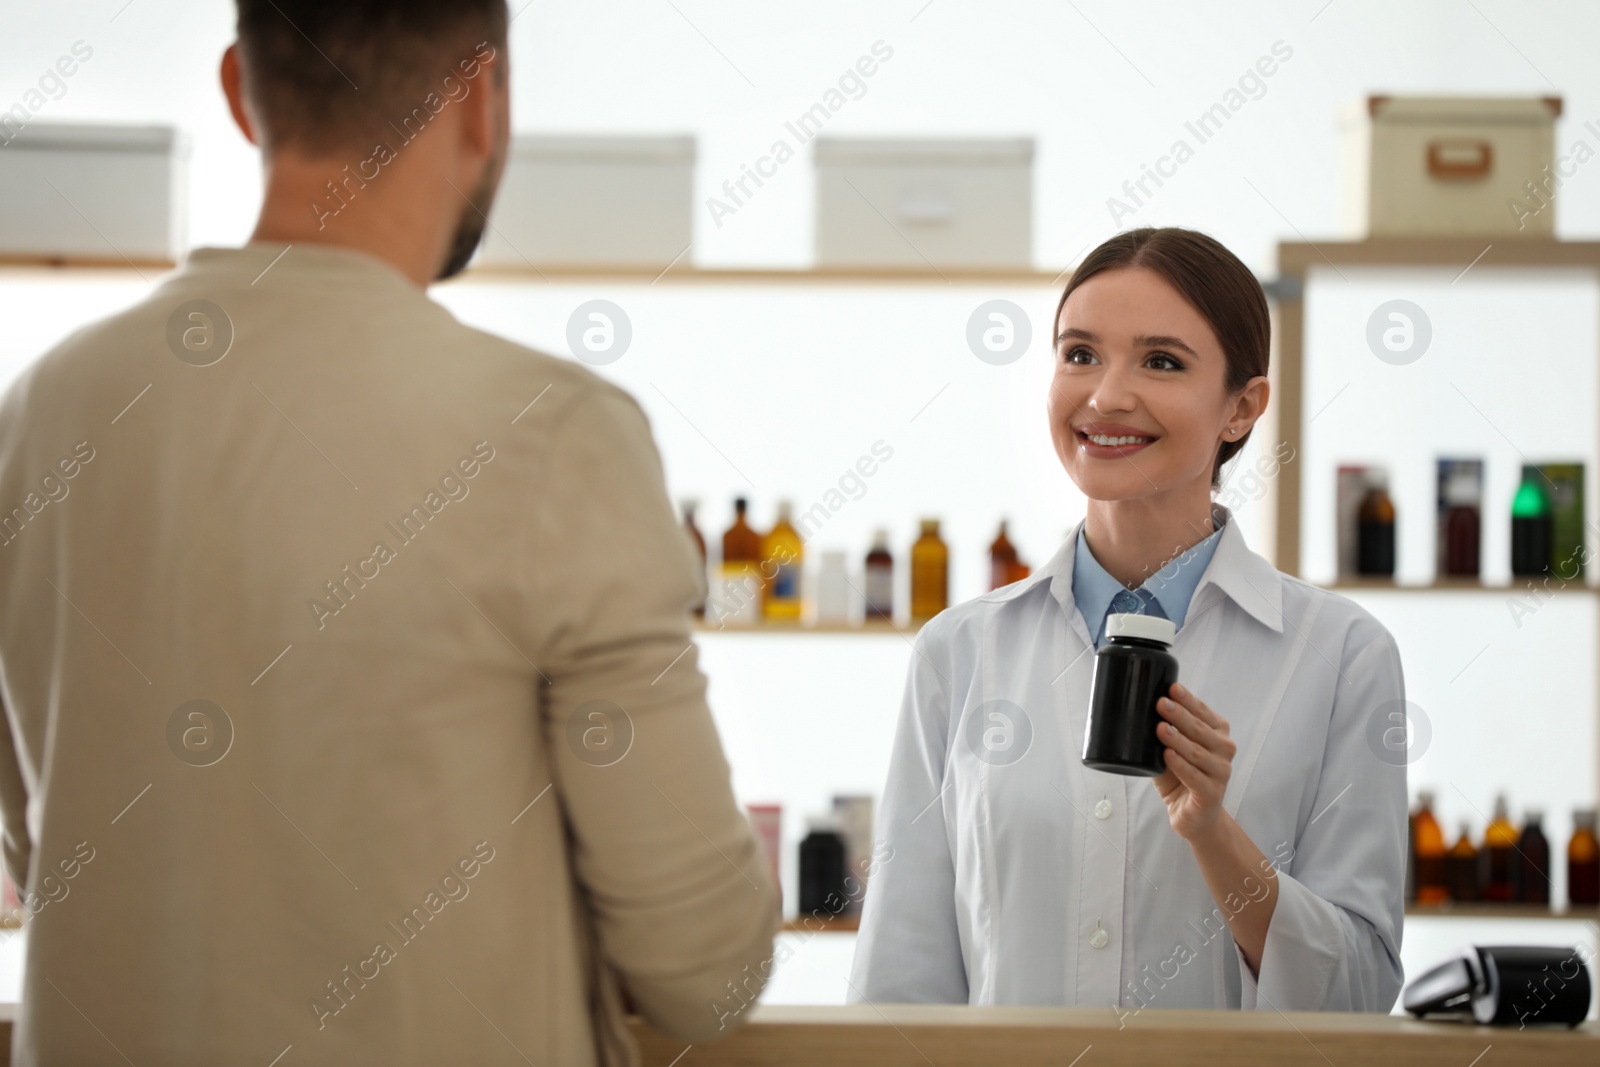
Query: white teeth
1102 439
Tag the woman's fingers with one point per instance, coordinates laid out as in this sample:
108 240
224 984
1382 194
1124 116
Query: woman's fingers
1212 764
1194 779
1199 707
1190 724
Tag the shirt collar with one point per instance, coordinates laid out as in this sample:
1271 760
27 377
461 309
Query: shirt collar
1235 571
1173 586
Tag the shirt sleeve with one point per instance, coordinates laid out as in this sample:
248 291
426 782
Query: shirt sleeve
18 848
681 900
1334 940
909 947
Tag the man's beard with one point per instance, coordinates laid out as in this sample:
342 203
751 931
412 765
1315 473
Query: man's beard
474 217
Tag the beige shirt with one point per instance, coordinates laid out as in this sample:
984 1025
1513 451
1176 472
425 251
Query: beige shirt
352 700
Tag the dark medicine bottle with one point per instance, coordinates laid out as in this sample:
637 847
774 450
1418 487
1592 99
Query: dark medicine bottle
1375 529
1134 670
1533 862
822 888
1532 530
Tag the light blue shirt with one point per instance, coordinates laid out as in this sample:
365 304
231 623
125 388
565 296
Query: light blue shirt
1173 586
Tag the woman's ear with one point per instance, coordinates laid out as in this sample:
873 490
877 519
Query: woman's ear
1248 406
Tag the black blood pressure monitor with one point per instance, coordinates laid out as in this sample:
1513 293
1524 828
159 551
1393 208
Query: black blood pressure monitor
1506 985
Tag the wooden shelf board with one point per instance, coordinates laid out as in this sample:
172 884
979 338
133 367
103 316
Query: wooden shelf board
1445 585
1294 257
1479 910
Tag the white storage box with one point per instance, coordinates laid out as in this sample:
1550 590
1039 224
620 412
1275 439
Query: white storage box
592 201
916 203
1451 166
94 191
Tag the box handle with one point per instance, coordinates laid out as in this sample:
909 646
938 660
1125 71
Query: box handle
1460 160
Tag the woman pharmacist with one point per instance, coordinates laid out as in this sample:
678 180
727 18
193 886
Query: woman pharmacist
1264 868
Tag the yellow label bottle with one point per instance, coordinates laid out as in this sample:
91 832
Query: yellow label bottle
782 552
930 573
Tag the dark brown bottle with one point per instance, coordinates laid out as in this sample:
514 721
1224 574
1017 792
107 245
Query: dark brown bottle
1003 560
1583 861
1461 525
1533 862
1432 883
1500 846
700 546
880 578
1464 867
1375 531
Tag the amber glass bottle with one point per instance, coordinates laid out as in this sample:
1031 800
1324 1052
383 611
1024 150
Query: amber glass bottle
699 543
1583 861
781 552
930 573
741 568
1464 867
1003 562
1500 842
1432 887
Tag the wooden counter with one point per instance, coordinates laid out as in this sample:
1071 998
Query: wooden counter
898 1035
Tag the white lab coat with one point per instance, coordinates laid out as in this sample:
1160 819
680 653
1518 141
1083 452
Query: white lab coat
1009 873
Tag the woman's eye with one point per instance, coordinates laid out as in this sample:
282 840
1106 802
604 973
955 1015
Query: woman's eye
1172 363
1069 357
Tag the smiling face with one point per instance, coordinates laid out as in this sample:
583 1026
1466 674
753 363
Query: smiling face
1138 405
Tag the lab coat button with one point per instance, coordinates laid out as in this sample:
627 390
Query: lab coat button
1099 939
1102 810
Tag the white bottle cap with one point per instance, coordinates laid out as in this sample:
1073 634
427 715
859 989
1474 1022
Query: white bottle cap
1149 627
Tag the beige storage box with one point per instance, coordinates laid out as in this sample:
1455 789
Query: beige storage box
592 202
925 204
94 192
1451 166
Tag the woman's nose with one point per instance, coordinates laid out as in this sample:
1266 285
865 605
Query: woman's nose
1113 391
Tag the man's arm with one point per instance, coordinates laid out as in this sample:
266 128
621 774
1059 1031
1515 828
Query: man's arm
680 895
14 840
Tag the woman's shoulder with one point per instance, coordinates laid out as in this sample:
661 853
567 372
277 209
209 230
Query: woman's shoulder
1335 614
962 626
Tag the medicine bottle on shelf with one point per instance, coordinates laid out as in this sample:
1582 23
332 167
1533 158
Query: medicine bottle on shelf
930 573
1464 867
1500 843
1375 529
880 578
1432 887
1583 861
1532 527
1003 560
740 594
1533 862
781 559
1462 523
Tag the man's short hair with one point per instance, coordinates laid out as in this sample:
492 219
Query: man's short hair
324 76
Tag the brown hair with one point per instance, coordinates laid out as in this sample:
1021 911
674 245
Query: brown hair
1210 278
343 76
